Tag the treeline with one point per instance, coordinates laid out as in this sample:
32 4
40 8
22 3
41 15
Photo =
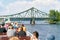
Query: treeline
54 17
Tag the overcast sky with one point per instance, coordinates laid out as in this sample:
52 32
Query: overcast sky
8 7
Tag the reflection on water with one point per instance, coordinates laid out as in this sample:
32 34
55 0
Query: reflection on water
44 29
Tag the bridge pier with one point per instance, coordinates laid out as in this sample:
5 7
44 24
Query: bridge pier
32 21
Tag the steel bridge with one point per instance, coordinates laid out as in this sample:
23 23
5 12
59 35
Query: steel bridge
32 13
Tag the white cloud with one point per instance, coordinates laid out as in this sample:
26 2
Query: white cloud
6 12
19 6
44 5
47 4
1 4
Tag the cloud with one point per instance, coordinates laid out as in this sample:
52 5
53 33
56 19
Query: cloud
19 6
26 0
46 5
43 5
2 8
1 4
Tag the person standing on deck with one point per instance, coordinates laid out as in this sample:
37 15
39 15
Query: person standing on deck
7 24
11 32
35 36
24 28
14 38
15 25
21 32
2 29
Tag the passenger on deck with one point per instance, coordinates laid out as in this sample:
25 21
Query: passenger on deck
15 25
50 37
24 28
11 32
14 38
21 33
35 36
7 24
2 29
19 29
3 23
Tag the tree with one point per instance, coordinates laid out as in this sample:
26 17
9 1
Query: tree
54 16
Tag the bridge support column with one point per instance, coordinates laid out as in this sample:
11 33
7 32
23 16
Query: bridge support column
32 21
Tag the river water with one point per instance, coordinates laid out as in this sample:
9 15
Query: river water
44 29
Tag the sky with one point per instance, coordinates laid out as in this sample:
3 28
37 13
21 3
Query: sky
8 7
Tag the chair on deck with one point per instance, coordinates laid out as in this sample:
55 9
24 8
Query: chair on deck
2 33
4 38
24 38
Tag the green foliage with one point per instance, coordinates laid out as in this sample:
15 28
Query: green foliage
54 16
